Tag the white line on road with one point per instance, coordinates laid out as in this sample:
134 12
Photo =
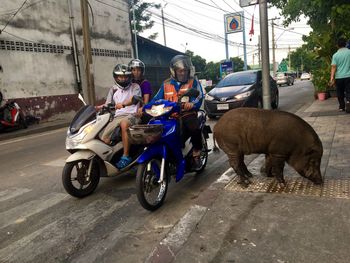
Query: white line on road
60 234
25 138
11 193
180 233
22 212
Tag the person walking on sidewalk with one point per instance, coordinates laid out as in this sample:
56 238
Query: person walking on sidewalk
340 75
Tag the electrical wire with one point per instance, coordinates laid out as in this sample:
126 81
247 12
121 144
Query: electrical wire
19 9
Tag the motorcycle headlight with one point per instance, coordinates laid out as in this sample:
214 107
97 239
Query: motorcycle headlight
158 110
72 141
244 95
208 97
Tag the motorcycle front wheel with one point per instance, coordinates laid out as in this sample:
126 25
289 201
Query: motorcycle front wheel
150 192
203 156
76 180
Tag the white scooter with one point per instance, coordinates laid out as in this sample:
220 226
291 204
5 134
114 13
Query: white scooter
91 158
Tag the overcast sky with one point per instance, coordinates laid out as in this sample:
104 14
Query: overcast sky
198 25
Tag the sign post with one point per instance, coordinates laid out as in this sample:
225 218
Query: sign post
234 23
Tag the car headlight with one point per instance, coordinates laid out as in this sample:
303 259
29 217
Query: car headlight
208 97
72 141
243 95
158 110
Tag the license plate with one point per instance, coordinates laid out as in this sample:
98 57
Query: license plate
222 106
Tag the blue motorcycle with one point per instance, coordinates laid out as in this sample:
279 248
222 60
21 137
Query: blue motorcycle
167 153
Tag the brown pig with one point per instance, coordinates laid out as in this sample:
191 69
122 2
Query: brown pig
281 136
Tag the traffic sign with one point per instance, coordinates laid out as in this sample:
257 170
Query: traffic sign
245 3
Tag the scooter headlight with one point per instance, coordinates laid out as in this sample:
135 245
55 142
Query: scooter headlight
73 140
158 110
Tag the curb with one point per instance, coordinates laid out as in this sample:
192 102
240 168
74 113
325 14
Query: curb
36 128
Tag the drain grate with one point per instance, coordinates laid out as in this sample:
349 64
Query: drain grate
335 188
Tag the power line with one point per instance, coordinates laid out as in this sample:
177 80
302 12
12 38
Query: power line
19 9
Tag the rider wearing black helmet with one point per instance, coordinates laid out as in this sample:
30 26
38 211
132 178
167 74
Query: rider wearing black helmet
125 115
182 79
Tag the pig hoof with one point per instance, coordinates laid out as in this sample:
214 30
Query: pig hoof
282 184
249 174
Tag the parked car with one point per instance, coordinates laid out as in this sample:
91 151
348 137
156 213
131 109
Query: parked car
284 78
240 89
305 76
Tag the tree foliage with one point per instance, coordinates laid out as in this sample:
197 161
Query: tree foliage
328 20
142 16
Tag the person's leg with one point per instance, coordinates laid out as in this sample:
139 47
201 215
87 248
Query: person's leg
125 123
347 95
340 93
106 135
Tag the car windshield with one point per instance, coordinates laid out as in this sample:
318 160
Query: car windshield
238 79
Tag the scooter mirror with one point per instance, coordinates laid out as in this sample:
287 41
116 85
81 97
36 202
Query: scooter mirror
136 99
82 99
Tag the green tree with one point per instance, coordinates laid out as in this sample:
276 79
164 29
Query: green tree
142 16
212 71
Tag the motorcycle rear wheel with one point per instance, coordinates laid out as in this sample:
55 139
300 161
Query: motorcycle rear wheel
150 193
203 156
75 178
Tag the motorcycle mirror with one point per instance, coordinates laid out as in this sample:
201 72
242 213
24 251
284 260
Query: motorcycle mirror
136 99
190 93
82 99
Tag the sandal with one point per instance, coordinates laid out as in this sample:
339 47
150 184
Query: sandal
124 162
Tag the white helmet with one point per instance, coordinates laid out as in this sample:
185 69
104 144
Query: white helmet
122 70
136 63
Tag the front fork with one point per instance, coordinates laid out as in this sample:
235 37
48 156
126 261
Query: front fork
162 167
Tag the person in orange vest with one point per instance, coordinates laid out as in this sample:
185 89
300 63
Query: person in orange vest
182 78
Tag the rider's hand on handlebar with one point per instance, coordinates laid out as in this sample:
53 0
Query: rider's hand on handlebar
119 106
187 106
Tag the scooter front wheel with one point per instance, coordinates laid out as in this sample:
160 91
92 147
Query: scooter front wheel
150 192
76 180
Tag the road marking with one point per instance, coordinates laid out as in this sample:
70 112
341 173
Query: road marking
22 212
11 193
61 233
25 138
60 162
172 243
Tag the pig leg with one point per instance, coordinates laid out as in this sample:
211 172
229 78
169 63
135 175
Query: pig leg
246 171
237 163
277 169
266 168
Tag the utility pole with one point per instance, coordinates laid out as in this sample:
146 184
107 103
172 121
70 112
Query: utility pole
134 30
289 62
164 24
273 47
87 53
259 50
265 54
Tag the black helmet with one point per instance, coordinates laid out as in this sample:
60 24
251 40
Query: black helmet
136 63
122 70
181 62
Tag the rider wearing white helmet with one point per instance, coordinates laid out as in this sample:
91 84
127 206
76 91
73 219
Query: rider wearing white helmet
125 115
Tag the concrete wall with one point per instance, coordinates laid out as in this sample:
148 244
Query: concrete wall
36 52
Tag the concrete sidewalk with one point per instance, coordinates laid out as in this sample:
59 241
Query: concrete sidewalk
264 223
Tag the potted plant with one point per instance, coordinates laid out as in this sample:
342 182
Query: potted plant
321 80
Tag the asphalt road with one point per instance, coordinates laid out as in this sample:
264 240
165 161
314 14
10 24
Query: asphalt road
40 222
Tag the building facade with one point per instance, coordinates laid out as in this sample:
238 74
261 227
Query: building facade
42 67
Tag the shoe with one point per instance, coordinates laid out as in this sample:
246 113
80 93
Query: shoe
347 107
123 162
197 163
